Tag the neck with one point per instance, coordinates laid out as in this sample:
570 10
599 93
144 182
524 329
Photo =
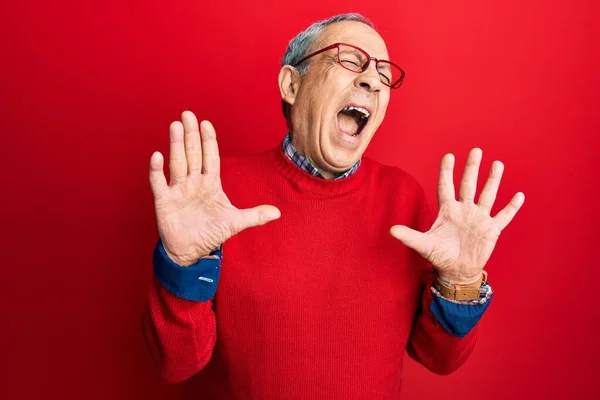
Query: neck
300 148
326 174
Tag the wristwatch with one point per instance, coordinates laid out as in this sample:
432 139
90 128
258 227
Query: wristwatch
460 292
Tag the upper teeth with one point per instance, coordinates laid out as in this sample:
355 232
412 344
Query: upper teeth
365 113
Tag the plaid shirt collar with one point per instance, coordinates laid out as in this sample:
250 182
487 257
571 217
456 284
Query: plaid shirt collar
301 161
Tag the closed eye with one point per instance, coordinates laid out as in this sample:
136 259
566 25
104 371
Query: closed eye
385 78
353 63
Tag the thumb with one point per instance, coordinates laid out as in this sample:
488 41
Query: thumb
256 216
411 238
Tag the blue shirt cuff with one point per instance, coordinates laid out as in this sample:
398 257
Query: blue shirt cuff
459 318
198 282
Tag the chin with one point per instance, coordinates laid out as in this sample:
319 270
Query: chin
344 151
340 161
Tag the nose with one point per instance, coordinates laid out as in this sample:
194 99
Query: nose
369 78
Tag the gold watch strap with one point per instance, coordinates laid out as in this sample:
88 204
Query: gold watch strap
460 292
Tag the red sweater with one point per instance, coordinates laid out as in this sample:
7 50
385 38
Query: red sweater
320 304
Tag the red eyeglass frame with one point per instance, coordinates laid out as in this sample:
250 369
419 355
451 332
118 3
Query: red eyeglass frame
394 85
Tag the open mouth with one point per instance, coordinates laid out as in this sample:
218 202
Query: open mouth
352 120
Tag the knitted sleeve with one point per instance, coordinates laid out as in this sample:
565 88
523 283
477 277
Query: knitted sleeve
432 345
179 332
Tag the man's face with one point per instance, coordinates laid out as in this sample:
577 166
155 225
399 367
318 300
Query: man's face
331 138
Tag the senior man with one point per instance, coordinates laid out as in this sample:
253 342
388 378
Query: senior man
318 300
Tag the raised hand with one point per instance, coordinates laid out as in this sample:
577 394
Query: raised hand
193 214
463 236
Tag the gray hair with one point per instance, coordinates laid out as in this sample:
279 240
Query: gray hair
300 45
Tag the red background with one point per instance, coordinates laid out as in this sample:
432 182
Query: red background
87 94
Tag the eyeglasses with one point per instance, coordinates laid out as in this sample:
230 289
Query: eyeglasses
357 60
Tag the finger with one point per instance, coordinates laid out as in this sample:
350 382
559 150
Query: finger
468 184
506 215
490 190
414 239
210 149
193 152
177 160
446 182
158 182
260 215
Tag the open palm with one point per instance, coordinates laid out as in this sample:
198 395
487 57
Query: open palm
464 234
193 214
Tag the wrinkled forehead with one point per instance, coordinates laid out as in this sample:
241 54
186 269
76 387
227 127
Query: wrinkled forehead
356 33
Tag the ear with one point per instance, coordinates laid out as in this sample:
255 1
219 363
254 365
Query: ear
289 83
